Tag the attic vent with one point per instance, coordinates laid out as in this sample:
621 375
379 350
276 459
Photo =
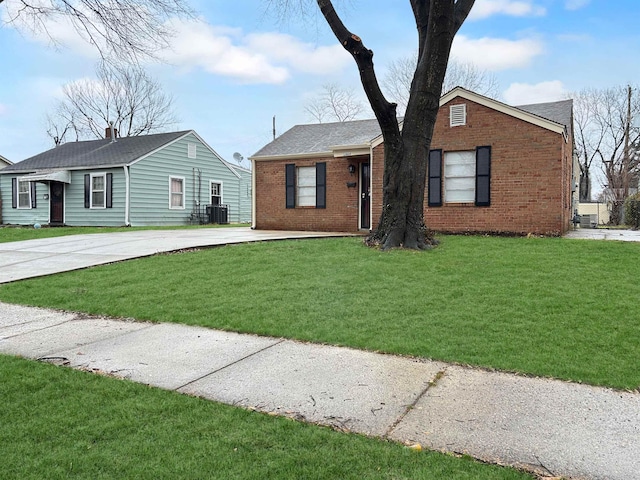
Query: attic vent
191 150
457 115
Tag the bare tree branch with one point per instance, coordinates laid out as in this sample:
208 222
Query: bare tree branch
124 29
334 103
125 95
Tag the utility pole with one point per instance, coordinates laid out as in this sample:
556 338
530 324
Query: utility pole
627 153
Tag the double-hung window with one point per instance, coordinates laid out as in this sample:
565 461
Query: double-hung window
459 177
465 177
176 192
24 194
98 190
306 186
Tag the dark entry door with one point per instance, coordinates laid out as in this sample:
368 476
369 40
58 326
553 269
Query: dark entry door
365 196
56 203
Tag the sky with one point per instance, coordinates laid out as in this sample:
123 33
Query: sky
235 66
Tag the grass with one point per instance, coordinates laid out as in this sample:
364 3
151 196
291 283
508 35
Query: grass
540 306
60 423
16 234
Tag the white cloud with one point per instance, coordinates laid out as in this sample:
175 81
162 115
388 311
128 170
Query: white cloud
303 57
253 58
514 8
575 4
495 53
525 93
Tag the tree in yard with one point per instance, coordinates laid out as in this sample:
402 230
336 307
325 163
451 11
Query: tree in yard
124 29
122 94
405 152
399 76
334 104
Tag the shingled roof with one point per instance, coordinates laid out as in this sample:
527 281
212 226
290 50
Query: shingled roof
96 153
320 138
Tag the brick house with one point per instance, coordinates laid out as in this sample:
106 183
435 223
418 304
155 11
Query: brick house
492 168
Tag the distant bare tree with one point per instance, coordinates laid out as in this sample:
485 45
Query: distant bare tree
335 104
605 132
124 29
124 95
399 76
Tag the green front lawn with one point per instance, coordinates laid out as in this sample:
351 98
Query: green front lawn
541 306
58 423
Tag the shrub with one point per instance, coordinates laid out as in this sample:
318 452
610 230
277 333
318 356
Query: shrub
632 211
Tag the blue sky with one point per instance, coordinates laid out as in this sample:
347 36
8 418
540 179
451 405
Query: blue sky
236 67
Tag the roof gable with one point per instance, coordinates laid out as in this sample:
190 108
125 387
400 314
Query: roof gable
528 113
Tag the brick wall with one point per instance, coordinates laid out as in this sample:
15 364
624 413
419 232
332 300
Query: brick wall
341 214
530 174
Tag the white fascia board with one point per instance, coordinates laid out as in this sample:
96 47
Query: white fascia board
292 156
341 151
503 108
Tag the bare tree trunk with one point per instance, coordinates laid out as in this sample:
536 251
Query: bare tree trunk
405 153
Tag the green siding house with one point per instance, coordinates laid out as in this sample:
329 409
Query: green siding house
161 179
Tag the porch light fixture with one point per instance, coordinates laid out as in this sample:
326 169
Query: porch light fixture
352 168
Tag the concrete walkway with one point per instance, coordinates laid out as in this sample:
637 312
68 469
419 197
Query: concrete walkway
546 426
604 234
35 258
550 427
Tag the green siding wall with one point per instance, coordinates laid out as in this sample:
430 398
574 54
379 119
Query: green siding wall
23 216
150 184
78 216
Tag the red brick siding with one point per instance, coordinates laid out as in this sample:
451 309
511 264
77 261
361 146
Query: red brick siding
341 214
528 174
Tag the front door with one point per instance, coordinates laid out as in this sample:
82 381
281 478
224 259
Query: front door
56 203
365 196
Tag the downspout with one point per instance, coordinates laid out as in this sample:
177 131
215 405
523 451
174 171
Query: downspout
127 194
253 194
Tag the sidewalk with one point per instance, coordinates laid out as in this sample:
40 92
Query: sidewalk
547 426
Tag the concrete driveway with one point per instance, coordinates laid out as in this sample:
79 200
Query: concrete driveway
36 258
604 234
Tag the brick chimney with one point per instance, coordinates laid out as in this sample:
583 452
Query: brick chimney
107 132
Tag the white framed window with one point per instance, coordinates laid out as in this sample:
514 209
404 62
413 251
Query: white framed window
176 193
457 115
459 177
306 186
98 190
24 194
191 150
216 193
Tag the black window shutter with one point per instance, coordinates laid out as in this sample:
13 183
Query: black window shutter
32 189
87 191
483 176
290 180
435 178
321 185
109 192
14 193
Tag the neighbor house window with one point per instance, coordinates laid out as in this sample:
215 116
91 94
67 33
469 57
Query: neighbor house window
459 177
24 194
457 115
98 190
191 150
176 192
216 193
